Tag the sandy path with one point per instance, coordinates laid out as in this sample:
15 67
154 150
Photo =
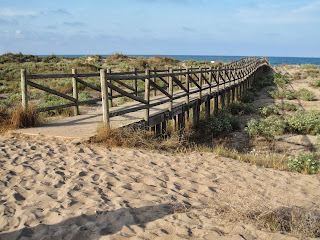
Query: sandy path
59 189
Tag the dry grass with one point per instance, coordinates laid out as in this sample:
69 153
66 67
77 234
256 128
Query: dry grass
298 221
268 160
22 119
131 137
4 120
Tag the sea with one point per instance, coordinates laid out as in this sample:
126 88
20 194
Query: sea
273 60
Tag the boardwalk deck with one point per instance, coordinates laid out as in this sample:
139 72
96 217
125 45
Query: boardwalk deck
153 112
85 125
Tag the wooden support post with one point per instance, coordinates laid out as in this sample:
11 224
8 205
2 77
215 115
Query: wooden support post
207 108
164 127
170 92
110 91
158 129
147 96
180 120
216 104
105 102
75 92
196 113
24 89
228 96
233 93
135 83
222 99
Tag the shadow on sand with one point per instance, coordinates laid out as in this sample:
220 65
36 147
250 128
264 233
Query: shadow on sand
93 226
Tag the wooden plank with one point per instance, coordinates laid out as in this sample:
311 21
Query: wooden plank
147 96
49 90
124 93
75 91
24 89
124 85
45 109
161 89
89 85
179 84
105 100
39 76
195 83
50 108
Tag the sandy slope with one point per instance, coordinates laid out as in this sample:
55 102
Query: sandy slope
59 189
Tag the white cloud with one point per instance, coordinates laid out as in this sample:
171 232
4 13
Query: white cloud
7 12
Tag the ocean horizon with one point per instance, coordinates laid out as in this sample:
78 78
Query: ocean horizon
273 60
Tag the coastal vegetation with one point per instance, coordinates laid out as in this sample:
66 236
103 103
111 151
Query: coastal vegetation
258 127
264 127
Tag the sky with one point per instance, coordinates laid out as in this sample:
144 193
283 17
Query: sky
161 27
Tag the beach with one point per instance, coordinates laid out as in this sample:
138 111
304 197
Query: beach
54 188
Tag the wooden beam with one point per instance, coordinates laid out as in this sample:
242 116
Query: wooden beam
105 101
24 89
49 90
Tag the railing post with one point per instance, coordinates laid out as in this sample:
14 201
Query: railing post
155 81
135 85
188 92
170 91
200 83
24 89
147 96
105 100
75 91
210 80
110 92
180 76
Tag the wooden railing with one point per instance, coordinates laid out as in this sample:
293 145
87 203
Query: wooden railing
125 84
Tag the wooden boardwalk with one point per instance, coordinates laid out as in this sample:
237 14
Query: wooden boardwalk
211 87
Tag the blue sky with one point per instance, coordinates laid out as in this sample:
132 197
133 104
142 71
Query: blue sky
176 27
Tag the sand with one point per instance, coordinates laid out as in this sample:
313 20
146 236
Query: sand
64 189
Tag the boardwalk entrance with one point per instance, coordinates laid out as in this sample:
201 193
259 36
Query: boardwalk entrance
171 94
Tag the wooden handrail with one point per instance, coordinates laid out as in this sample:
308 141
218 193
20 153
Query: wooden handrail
231 73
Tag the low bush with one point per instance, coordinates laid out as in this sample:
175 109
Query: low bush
248 96
268 128
240 108
217 126
304 162
306 95
287 106
315 83
285 94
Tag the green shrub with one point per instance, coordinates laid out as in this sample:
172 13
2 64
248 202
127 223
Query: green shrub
304 162
240 108
268 128
281 80
247 97
306 95
315 83
304 122
287 106
263 81
269 110
285 94
217 126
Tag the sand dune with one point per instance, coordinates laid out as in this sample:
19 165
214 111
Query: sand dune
63 189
